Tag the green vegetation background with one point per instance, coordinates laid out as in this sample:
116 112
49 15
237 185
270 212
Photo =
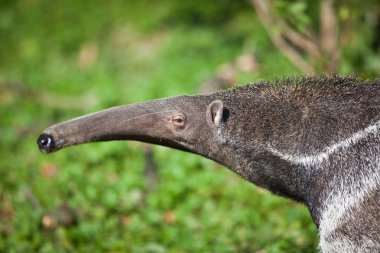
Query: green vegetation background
62 59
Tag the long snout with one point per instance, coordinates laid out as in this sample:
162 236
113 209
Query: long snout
142 122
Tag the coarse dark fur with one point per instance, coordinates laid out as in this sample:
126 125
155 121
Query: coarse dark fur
315 140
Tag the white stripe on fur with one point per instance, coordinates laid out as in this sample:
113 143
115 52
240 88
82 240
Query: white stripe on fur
310 160
344 196
343 199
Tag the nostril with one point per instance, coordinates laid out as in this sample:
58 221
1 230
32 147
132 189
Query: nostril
45 143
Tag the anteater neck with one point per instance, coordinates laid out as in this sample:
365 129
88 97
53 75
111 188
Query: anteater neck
318 143
298 140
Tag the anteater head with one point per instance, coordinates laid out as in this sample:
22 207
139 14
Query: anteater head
187 123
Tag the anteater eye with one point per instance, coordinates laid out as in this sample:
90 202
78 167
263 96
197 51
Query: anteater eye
178 121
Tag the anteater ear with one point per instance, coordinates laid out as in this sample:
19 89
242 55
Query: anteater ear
215 113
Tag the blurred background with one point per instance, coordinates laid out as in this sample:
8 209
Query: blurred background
62 59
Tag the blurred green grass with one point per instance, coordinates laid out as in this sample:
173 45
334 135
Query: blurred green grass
62 59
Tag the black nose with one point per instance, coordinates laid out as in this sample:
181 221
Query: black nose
46 143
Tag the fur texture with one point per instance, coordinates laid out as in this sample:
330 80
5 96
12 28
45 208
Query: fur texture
317 140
